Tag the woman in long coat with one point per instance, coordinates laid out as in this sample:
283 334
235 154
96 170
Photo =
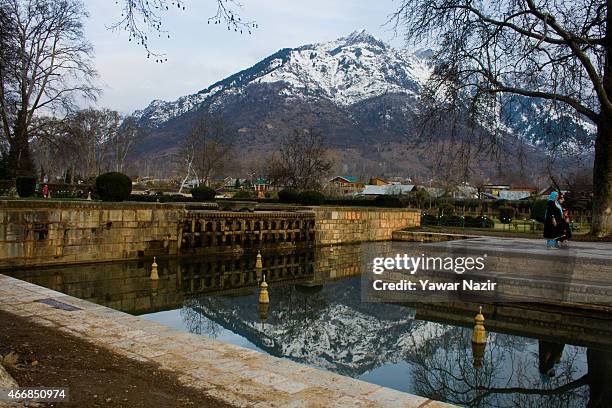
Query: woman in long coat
553 221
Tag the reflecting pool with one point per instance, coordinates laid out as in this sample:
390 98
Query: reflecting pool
535 355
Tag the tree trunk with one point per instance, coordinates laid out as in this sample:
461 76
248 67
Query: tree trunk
602 168
602 179
19 159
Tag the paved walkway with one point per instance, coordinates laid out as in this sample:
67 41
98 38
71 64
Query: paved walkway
522 269
532 247
230 373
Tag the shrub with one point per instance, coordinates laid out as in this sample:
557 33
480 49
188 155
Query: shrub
311 197
483 222
243 194
446 209
388 201
452 221
113 186
506 214
471 222
429 219
288 195
538 209
203 193
26 186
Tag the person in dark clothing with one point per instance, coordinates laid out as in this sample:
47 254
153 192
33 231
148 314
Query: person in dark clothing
567 228
553 221
549 355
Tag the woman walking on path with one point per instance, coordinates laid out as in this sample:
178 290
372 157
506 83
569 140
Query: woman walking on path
567 227
554 223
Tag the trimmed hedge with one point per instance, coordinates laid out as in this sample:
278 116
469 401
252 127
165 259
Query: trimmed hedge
288 195
388 201
506 214
113 186
203 193
243 195
538 209
311 197
26 186
456 221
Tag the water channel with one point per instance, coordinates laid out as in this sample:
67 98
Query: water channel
535 355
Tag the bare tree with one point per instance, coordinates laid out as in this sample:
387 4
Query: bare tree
50 67
92 137
206 150
122 140
141 18
301 162
555 51
51 148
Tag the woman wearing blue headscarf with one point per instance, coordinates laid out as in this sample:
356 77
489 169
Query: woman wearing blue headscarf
553 220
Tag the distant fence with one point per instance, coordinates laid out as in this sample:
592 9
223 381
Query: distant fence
524 209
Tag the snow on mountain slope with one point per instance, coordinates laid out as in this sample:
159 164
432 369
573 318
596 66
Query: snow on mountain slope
350 69
345 71
356 89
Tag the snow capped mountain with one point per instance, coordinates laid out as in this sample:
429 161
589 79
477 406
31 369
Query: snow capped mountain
349 70
360 93
344 71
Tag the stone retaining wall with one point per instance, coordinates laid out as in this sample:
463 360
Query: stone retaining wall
34 233
343 225
39 233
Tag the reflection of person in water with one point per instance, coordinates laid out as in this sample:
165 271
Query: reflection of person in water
549 355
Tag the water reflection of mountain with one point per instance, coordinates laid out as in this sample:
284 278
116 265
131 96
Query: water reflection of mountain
328 327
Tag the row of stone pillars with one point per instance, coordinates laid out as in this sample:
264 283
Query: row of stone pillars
223 275
247 232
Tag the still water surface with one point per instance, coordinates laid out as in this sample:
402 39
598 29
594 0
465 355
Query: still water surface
534 356
387 345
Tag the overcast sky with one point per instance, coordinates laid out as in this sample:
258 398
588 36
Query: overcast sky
200 54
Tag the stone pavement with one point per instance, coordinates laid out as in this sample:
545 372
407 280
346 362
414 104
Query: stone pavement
230 373
523 270
532 247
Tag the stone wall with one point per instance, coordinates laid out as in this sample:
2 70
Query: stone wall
39 232
344 225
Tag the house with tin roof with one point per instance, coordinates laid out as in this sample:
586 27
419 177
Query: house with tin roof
345 185
388 189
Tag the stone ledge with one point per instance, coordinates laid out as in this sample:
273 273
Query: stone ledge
423 236
124 205
361 209
240 376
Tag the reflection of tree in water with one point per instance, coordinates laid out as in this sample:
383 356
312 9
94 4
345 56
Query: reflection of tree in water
294 305
443 370
197 323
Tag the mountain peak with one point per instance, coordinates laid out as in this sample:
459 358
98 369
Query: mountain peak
424 53
357 37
